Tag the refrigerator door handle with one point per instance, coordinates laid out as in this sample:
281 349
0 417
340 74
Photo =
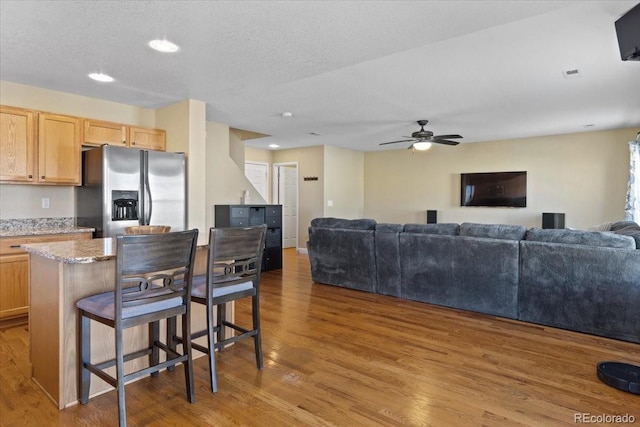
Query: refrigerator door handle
146 189
149 203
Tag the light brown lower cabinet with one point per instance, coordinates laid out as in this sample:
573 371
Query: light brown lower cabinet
14 271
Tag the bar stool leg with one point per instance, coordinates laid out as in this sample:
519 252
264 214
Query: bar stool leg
85 355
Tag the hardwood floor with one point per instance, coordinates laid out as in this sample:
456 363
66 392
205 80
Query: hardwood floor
337 357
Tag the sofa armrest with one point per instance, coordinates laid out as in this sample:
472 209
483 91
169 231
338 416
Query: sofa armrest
343 257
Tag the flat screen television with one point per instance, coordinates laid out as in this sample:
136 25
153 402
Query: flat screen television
497 189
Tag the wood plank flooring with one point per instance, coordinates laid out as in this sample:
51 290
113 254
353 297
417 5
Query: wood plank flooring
337 357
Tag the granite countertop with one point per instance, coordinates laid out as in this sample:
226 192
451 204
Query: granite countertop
79 251
75 251
17 232
40 226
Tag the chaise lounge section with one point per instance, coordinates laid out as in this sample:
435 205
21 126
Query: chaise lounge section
581 281
578 280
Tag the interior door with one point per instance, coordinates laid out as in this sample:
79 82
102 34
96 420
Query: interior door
288 198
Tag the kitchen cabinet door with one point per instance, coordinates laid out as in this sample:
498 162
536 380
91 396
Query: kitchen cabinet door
59 149
147 139
14 286
17 144
98 133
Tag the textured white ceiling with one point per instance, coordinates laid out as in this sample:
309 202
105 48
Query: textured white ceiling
357 73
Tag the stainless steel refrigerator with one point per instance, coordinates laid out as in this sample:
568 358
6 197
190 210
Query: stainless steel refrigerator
123 187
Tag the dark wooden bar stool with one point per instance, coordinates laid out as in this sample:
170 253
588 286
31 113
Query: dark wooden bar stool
233 272
154 275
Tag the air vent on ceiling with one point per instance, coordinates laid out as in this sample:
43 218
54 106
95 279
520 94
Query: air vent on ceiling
572 73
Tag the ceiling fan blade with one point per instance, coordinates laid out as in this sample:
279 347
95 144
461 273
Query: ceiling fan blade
446 137
395 142
445 141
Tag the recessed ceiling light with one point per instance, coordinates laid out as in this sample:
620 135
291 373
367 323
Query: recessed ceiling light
273 146
287 114
101 77
164 46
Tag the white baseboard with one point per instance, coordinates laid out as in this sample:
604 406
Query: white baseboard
302 251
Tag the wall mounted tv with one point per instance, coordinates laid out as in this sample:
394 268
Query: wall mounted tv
496 189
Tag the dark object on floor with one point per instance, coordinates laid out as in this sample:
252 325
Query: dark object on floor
622 376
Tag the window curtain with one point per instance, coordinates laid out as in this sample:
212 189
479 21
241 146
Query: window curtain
632 208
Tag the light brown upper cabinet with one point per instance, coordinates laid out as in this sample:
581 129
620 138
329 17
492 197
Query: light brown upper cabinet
98 132
59 149
17 144
39 148
148 139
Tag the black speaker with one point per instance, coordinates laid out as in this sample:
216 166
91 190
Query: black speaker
552 220
432 217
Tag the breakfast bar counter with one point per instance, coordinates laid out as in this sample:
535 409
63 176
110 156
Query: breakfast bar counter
61 273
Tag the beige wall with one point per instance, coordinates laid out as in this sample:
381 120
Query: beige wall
340 175
225 178
236 148
343 183
18 95
213 178
310 162
24 201
583 175
185 124
258 155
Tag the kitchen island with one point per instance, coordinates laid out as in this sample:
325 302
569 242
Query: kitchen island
60 274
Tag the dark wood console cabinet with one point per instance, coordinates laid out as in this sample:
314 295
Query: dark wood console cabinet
248 215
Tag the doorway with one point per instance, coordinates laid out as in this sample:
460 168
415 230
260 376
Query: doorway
285 193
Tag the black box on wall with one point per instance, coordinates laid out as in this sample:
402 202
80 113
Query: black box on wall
432 217
552 220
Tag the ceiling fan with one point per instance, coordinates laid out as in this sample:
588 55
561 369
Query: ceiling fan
422 139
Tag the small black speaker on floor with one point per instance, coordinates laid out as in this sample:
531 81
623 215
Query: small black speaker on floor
432 217
552 220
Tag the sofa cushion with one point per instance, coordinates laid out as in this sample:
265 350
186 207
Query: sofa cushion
350 224
632 231
388 228
440 229
621 224
493 231
580 237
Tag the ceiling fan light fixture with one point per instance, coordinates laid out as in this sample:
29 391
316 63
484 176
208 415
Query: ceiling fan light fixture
421 146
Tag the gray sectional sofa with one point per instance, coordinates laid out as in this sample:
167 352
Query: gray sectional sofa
584 281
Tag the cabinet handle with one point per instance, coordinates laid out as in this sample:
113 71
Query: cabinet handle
30 176
14 246
133 143
124 142
42 177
